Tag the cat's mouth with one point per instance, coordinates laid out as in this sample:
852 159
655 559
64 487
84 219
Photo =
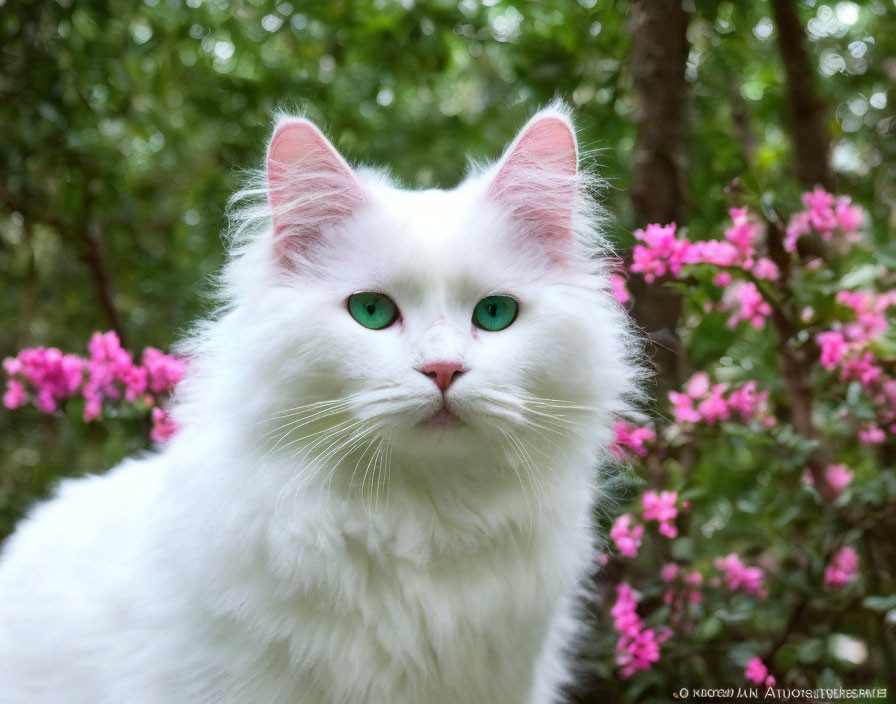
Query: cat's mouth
442 418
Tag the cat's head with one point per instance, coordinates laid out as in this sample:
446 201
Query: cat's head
438 321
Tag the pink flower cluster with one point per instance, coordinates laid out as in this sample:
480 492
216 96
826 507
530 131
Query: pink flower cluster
633 437
855 349
843 568
825 214
689 591
847 346
739 577
107 374
848 349
110 372
626 536
757 673
662 252
51 376
746 305
869 308
661 507
638 647
833 346
703 402
657 506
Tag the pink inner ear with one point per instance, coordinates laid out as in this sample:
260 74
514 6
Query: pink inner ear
309 185
550 140
536 179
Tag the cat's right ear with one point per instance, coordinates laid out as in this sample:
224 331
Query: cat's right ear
310 186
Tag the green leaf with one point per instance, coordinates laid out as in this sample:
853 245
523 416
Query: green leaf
810 650
880 603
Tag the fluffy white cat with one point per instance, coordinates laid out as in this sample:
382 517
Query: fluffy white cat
382 488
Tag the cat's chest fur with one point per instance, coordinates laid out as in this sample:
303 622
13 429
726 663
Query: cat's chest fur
415 598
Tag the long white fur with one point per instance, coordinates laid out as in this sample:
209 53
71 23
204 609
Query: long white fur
303 538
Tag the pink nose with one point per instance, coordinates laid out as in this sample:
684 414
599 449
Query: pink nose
442 373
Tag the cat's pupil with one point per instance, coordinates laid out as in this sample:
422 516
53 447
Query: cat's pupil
492 309
370 308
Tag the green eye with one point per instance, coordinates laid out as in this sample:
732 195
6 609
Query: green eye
373 310
495 312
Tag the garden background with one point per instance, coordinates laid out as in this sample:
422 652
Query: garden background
753 536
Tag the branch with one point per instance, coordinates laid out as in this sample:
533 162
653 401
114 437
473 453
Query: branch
91 248
796 365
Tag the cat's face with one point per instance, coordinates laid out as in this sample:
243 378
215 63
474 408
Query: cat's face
438 320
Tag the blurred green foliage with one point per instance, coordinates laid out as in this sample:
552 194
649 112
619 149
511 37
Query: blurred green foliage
125 126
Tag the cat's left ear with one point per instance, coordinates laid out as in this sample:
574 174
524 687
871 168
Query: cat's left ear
310 186
536 179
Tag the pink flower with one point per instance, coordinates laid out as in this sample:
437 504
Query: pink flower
661 507
683 408
109 366
620 292
798 226
843 568
49 377
632 437
742 233
838 477
848 216
637 647
825 214
722 279
748 304
871 435
747 401
626 537
820 204
661 253
162 426
757 673
668 572
715 407
833 348
716 252
50 374
870 311
739 577
637 653
15 395
625 617
861 369
678 599
765 268
698 385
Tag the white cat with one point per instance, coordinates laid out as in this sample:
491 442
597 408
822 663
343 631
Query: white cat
382 488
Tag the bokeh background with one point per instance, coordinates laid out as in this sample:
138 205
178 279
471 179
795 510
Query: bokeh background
126 125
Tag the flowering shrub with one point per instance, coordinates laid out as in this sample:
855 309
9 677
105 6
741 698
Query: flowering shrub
106 377
759 549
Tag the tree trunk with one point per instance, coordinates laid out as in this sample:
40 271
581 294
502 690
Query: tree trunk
808 114
812 146
659 183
